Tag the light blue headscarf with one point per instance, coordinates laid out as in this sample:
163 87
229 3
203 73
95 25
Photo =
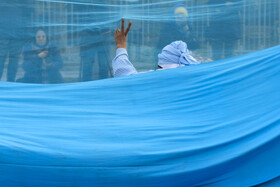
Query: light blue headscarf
174 55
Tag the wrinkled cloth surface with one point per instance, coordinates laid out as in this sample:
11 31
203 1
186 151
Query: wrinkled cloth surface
213 124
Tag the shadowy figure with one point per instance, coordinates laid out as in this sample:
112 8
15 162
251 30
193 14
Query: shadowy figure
95 46
179 28
15 16
224 27
96 41
42 61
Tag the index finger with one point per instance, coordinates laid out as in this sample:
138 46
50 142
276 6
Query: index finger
122 28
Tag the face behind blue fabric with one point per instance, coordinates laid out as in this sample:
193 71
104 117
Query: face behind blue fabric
41 38
181 19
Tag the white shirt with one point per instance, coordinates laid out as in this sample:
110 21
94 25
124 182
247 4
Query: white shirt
121 64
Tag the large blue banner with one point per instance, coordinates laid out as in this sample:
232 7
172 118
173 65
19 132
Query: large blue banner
213 124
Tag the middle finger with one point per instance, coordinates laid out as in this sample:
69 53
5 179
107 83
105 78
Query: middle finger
122 28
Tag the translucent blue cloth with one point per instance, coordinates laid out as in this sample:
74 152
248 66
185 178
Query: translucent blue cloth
213 124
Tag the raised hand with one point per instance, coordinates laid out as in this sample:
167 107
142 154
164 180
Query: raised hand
120 35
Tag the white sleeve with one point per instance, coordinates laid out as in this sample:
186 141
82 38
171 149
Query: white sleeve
121 64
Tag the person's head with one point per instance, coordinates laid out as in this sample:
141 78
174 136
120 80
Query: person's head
175 55
41 37
180 14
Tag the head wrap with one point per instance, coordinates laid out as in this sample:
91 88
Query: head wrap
174 55
181 10
34 39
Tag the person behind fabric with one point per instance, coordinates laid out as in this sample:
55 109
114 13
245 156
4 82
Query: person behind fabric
224 27
42 61
172 56
95 46
95 43
178 28
15 17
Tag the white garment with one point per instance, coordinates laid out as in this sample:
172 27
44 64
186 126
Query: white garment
121 64
123 67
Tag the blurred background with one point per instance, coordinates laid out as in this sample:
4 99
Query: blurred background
59 41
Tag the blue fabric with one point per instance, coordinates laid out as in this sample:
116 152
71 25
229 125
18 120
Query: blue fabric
83 33
214 124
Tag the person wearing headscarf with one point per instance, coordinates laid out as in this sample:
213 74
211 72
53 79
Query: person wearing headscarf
173 55
177 28
41 61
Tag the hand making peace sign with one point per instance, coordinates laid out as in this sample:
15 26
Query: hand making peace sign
120 35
